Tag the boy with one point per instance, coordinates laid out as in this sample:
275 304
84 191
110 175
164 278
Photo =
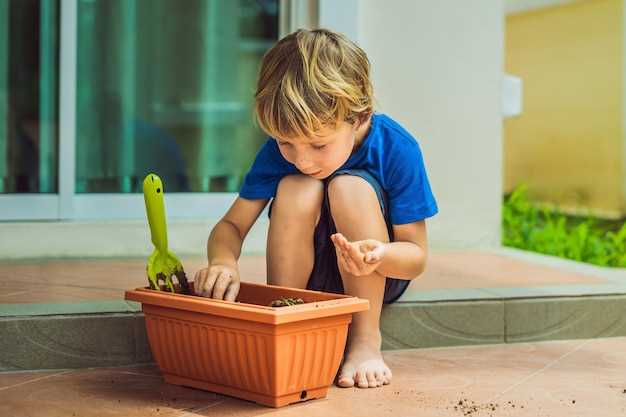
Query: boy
349 188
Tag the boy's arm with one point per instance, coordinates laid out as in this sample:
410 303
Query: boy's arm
226 238
220 279
405 257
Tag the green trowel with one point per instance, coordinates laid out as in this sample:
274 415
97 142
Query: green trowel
162 264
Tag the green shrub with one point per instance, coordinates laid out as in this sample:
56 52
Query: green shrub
545 231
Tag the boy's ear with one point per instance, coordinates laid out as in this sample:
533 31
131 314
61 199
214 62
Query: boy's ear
360 120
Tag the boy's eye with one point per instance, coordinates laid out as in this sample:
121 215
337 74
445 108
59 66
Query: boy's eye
283 143
318 146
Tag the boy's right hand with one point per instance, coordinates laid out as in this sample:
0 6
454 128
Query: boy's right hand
217 281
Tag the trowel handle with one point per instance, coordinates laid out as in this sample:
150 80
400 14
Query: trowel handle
155 209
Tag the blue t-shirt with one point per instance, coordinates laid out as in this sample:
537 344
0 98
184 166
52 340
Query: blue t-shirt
388 152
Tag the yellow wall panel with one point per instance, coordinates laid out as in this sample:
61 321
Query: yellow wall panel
568 143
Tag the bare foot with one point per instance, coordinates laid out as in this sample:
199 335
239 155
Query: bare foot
363 364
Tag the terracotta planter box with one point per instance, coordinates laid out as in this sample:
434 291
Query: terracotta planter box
271 355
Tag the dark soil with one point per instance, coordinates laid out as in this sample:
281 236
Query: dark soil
284 302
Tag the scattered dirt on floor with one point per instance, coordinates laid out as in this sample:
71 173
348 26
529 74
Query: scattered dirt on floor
471 408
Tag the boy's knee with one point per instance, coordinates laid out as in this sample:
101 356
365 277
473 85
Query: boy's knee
298 195
351 192
355 208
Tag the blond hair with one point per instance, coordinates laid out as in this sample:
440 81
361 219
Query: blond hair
309 80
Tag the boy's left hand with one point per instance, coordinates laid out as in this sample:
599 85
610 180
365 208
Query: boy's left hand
358 258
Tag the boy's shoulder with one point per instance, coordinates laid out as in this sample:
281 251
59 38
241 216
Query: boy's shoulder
393 137
389 123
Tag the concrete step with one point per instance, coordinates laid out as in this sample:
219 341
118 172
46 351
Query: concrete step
73 335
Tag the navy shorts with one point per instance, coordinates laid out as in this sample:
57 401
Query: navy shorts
325 275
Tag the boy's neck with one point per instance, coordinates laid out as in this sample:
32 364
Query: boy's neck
361 133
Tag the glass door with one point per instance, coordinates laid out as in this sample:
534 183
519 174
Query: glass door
158 86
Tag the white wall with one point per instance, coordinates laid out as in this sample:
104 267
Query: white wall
437 69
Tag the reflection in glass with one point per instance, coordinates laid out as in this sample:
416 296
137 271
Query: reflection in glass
167 86
28 96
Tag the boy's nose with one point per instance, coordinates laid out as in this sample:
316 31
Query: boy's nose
304 164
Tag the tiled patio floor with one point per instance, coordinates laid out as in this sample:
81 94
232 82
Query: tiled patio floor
45 281
566 378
